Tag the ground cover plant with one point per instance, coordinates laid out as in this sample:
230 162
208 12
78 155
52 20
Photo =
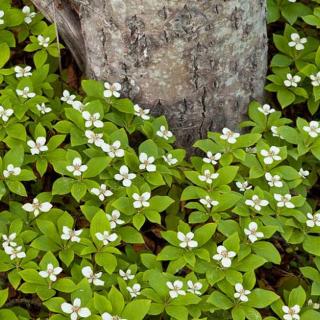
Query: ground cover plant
103 218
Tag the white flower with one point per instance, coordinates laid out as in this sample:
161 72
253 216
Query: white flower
256 202
253 233
313 129
275 133
212 158
43 41
108 316
243 186
314 305
142 113
134 290
43 109
303 173
208 177
67 97
5 114
92 277
113 150
102 192
125 176
1 16
69 234
313 220
224 256
94 138
297 42
36 207
112 89
273 181
270 155
126 275
77 168
194 287
241 293
229 135
146 163
291 313
37 146
22 72
315 79
28 15
92 119
175 289
11 170
169 159
292 1
141 200
51 272
106 237
25 93
208 202
114 219
164 133
14 252
266 109
8 240
75 309
292 81
283 201
77 105
186 240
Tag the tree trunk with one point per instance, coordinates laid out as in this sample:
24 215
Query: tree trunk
199 62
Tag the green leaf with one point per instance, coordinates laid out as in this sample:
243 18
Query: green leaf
3 296
260 298
267 250
130 235
136 310
297 296
5 54
285 97
220 300
311 244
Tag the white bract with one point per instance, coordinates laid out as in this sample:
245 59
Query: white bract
297 42
241 293
77 168
194 287
112 90
108 316
94 138
11 171
169 159
176 289
313 220
67 97
92 277
292 81
292 1
208 202
186 240
303 173
230 136
14 252
38 146
106 237
283 200
291 313
224 256
314 305
273 181
315 79
8 240
141 200
270 155
22 72
113 149
25 93
163 132
75 310
5 114
114 219
275 133
212 158
146 163
253 233
208 177
125 176
142 113
102 192
243 186
92 119
43 41
51 272
69 234
134 290
37 207
77 105
126 275
256 203
28 15
43 108
1 17
266 109
313 129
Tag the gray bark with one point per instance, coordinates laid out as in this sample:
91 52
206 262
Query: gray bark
199 62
